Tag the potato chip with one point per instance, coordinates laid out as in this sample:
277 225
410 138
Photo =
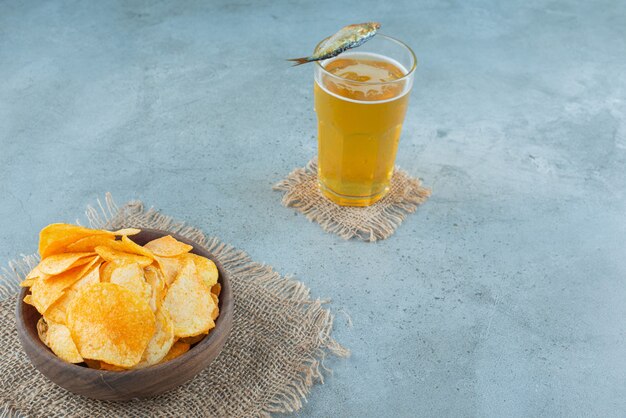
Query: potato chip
88 244
92 364
91 276
126 231
57 311
189 303
55 237
101 365
103 267
61 343
178 349
161 342
34 274
170 268
42 330
215 313
110 254
207 270
216 309
168 246
107 271
156 280
130 275
46 292
58 263
28 282
193 340
110 367
110 323
216 289
132 247
28 299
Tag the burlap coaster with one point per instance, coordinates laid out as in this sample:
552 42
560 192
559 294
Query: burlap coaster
378 221
273 356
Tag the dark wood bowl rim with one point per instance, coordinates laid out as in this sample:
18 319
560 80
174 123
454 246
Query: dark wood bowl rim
194 351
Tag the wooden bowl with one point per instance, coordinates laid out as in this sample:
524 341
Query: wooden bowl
131 384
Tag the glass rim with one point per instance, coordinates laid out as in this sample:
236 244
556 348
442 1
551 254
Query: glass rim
369 83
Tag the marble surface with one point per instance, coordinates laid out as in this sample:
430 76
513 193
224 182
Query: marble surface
504 295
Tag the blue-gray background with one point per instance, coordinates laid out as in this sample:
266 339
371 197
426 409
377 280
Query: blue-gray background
504 295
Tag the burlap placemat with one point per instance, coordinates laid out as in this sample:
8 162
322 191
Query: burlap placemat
378 221
274 355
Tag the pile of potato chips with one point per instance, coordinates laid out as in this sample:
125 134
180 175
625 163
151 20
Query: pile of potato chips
116 305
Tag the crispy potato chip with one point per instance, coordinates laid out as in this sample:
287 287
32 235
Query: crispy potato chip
216 309
130 275
207 270
189 303
46 292
110 266
61 343
58 263
126 245
34 274
110 367
114 244
178 349
106 269
28 282
92 364
216 289
57 311
126 231
101 365
170 268
161 342
28 299
156 280
88 244
193 340
55 237
168 246
103 266
91 276
131 246
42 330
110 323
110 254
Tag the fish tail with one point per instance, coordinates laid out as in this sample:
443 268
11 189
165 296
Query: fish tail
300 61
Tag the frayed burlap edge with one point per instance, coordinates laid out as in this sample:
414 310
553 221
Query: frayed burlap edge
288 398
372 223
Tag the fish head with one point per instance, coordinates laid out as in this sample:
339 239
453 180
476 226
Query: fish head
369 27
364 29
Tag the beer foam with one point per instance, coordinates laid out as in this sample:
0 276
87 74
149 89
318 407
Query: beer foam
362 78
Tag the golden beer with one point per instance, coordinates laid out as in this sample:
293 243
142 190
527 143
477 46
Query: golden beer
360 101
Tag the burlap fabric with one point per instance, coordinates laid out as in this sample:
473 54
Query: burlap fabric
378 221
274 355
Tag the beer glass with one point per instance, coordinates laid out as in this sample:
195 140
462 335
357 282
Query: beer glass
361 98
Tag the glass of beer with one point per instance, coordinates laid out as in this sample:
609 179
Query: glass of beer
361 97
